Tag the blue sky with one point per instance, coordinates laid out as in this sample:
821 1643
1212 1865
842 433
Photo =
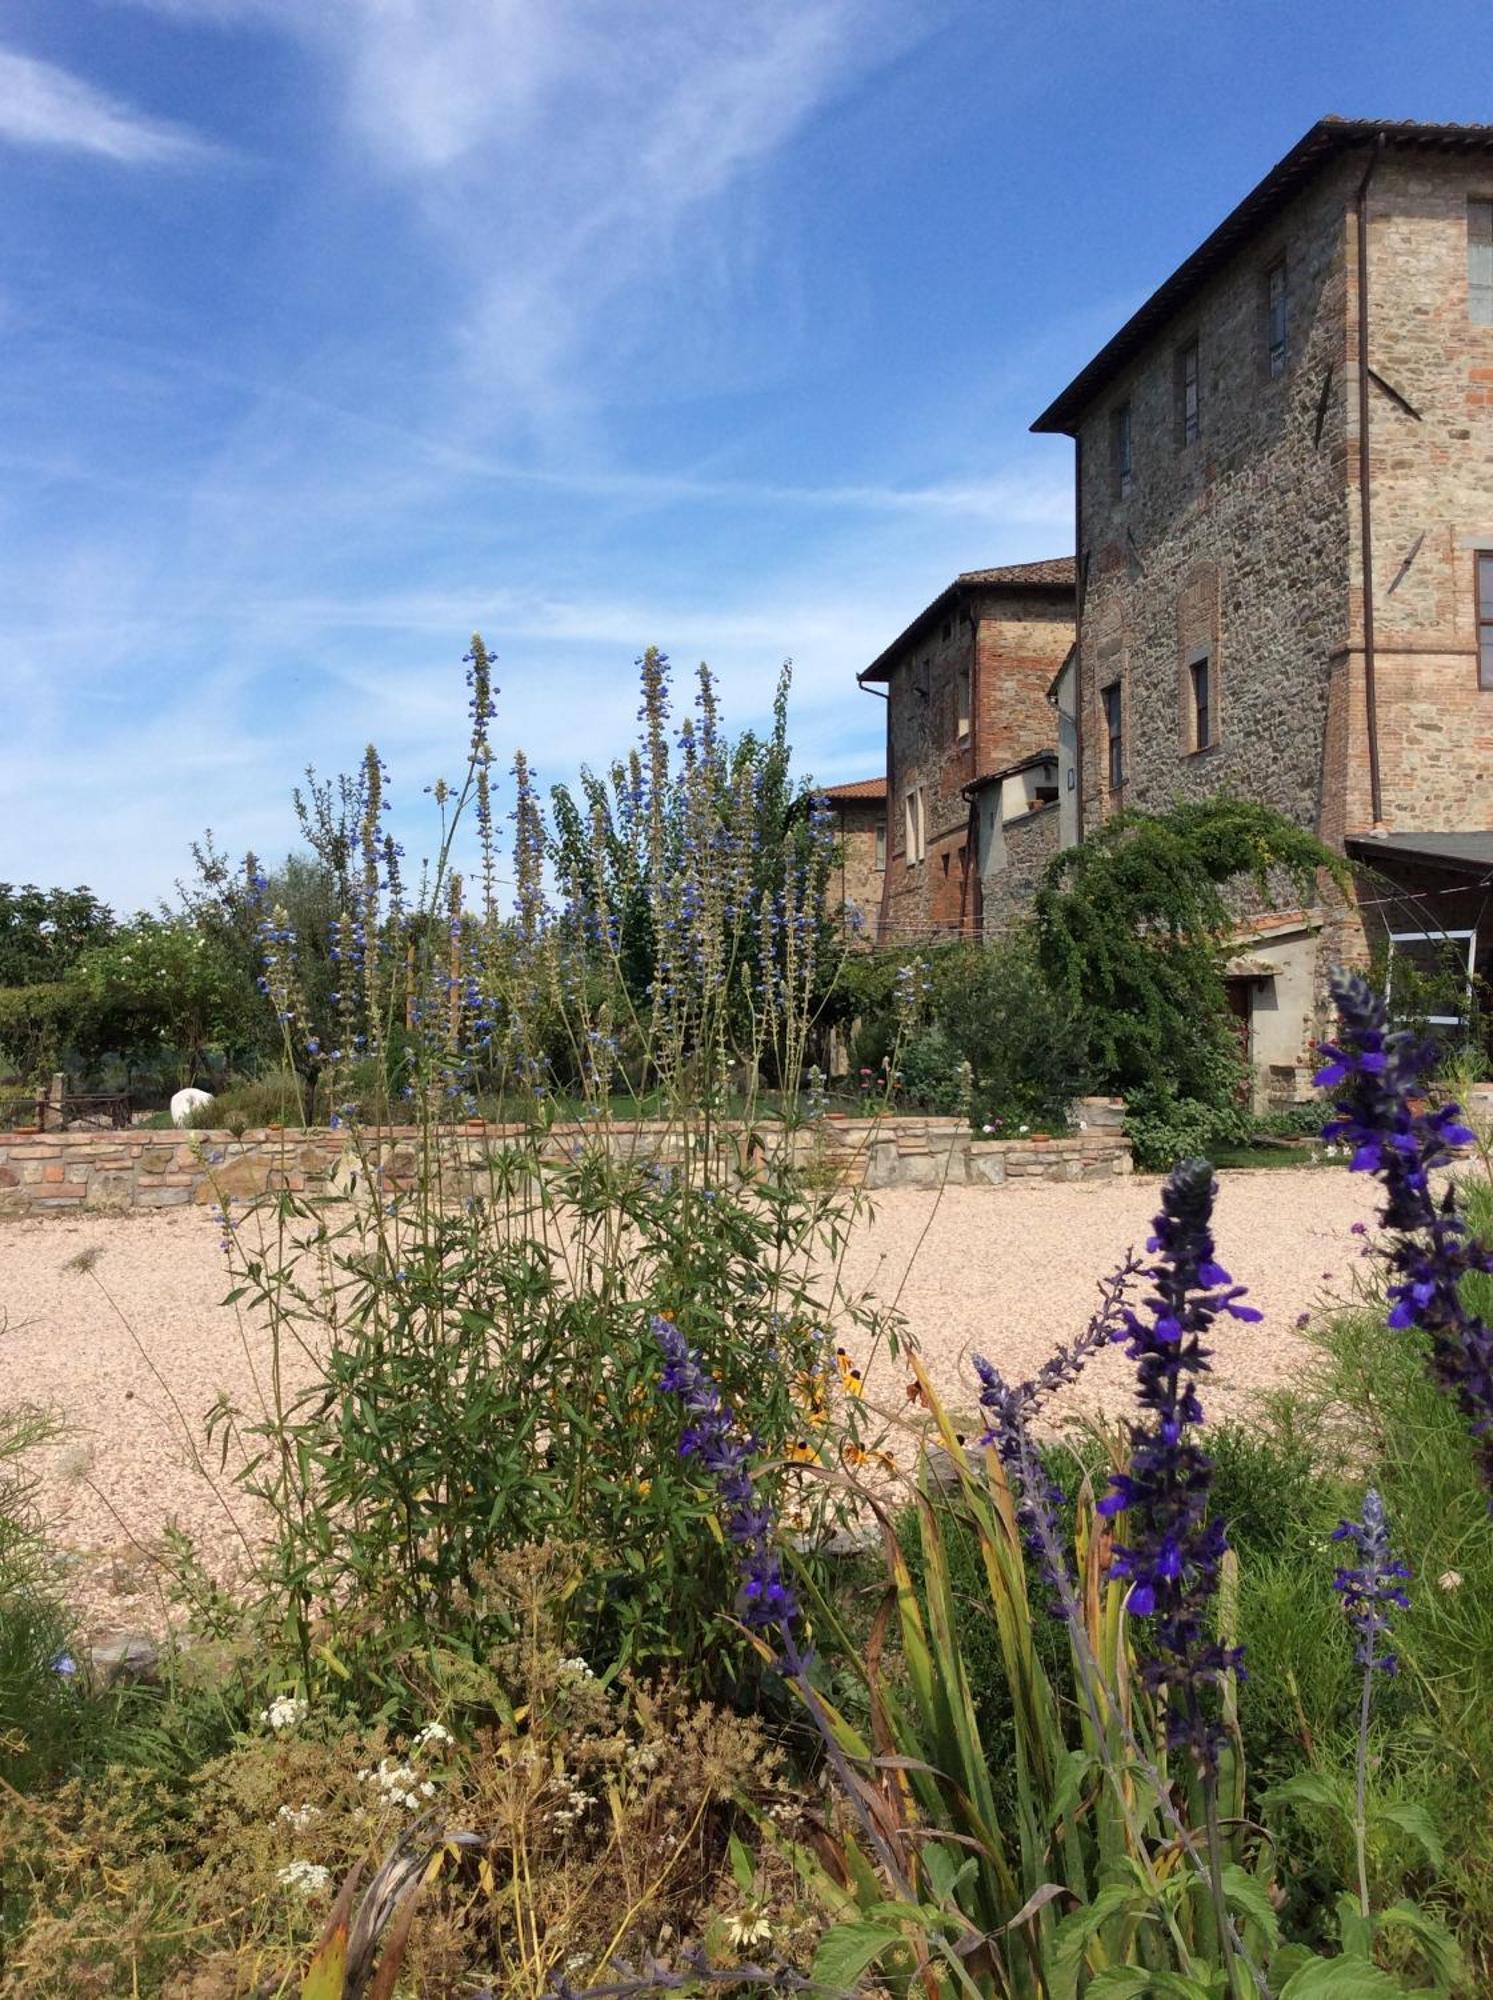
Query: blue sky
331 330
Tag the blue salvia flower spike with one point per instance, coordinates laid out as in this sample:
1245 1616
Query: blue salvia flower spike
1374 1588
1174 1551
1378 1074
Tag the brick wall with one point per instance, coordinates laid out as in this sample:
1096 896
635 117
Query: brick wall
1010 644
76 1172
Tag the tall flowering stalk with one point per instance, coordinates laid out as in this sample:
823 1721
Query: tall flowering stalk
1174 1550
1378 1075
1369 1591
1010 1410
766 1601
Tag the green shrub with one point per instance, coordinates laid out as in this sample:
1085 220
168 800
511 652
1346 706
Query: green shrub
929 1073
1132 928
277 1098
1024 1042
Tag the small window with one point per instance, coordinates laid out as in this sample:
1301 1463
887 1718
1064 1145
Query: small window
1188 408
1200 673
1121 465
881 848
1480 262
1114 728
961 703
1485 619
948 629
1275 317
912 807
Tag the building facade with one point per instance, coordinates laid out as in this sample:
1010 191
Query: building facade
859 811
966 688
1284 475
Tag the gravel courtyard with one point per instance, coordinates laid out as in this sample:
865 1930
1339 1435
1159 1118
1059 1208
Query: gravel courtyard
1008 1272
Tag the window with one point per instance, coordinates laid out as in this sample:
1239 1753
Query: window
1200 673
1275 317
1114 729
1480 262
1187 392
1433 971
1485 618
961 702
1121 467
881 848
912 809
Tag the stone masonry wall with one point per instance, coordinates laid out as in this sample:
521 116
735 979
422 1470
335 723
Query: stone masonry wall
858 880
61 1172
1237 541
1247 540
1031 841
1431 476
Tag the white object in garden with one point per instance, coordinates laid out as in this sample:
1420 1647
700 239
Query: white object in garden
186 1102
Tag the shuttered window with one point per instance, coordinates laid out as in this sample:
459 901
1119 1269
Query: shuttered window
1480 262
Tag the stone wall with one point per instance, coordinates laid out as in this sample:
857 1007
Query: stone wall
1030 841
1431 478
54 1172
1246 542
857 882
1237 541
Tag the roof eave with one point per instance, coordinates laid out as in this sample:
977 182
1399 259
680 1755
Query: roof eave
1327 139
880 668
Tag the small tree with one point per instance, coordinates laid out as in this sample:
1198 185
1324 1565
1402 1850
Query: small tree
162 988
44 931
1132 925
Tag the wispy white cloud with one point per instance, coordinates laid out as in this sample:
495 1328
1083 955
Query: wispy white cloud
569 164
43 105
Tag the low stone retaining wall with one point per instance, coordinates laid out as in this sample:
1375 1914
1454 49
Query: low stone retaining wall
41 1172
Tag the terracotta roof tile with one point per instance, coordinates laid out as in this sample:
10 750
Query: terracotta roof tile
859 788
1056 569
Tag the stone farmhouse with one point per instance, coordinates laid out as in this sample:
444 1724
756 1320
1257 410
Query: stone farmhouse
971 744
1284 472
1284 588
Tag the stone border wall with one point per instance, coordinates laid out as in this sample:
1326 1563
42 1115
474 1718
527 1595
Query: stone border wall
46 1172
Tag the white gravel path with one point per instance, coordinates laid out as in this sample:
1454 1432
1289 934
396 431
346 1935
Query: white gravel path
1009 1272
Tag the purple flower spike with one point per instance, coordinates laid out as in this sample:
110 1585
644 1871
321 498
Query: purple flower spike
1010 1409
1172 1557
766 1600
1430 1249
1374 1588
